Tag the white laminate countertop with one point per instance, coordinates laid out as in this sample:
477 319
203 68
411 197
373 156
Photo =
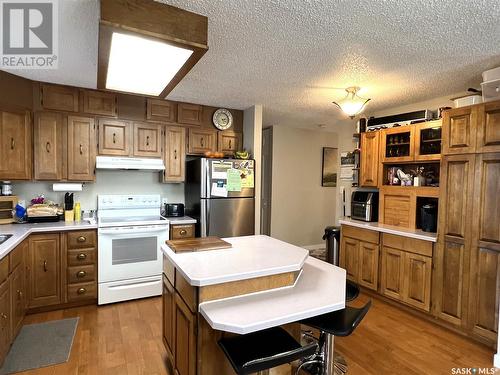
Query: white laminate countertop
250 257
320 289
21 231
391 229
181 220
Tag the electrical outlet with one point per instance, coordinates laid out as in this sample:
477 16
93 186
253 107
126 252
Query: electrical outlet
164 201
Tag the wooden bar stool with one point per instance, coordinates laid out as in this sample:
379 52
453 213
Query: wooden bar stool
262 350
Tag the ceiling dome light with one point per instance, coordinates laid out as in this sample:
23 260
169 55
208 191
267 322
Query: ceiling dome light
352 104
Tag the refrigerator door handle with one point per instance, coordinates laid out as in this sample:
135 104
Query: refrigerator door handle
206 178
208 217
205 217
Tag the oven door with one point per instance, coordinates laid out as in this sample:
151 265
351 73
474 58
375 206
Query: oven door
130 252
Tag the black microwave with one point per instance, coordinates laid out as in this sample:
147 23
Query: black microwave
174 210
364 205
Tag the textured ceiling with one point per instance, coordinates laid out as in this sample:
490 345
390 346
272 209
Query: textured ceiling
287 55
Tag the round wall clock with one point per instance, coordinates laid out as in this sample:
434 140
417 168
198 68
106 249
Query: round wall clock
222 119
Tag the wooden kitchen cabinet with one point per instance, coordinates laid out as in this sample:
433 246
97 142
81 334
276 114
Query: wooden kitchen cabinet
114 137
427 139
349 257
82 145
417 288
175 154
180 231
185 338
147 140
397 206
168 321
190 114
459 130
59 98
17 297
49 146
201 141
369 159
368 265
161 110
397 144
229 142
45 270
15 145
99 103
488 127
5 319
392 275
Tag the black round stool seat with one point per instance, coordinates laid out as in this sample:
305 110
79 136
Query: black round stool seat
262 350
351 291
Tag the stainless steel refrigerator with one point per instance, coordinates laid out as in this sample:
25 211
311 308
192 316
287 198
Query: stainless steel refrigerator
219 194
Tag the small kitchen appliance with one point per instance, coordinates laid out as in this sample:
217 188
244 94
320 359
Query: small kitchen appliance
174 210
364 205
428 217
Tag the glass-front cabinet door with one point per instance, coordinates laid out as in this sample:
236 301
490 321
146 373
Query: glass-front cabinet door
398 144
428 141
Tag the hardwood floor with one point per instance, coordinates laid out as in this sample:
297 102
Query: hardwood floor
125 338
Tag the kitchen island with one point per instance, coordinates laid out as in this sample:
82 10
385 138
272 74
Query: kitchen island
259 283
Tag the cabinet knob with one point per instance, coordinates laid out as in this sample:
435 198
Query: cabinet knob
81 239
47 147
81 256
81 274
81 291
182 232
4 316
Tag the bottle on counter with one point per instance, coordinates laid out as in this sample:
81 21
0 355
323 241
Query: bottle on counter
78 212
6 188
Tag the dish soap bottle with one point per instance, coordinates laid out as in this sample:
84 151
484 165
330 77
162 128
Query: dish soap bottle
78 212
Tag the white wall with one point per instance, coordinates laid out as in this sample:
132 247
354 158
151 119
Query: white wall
107 182
301 207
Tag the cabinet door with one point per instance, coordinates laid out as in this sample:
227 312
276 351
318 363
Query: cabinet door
229 142
81 148
392 275
397 207
48 146
459 130
397 145
59 98
5 318
114 137
201 141
485 249
369 159
428 141
161 110
168 327
99 103
190 114
368 265
17 298
175 154
45 270
15 146
488 127
349 257
417 272
147 140
185 338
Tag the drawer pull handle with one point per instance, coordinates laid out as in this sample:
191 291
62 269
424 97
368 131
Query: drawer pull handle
230 144
81 274
81 150
201 142
175 154
147 140
12 143
4 316
44 266
81 291
81 239
183 232
47 147
114 137
81 256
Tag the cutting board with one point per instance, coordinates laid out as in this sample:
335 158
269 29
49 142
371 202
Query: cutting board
197 244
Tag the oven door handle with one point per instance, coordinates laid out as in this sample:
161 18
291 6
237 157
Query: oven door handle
132 230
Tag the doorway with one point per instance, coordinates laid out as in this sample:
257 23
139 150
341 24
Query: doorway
267 181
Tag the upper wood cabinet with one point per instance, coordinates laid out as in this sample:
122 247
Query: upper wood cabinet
161 110
99 103
229 142
175 154
397 144
369 159
49 146
459 130
114 137
191 114
82 145
201 141
147 140
488 128
59 98
428 141
15 145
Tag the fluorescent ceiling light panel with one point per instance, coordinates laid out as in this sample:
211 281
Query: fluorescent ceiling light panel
141 65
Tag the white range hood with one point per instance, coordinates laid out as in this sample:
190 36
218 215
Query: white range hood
114 162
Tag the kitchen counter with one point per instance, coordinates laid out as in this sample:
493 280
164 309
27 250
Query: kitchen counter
391 229
21 231
250 257
181 220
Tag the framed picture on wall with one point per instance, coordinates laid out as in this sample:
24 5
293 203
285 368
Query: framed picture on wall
329 169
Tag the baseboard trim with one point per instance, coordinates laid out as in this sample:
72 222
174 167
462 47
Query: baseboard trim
496 360
315 247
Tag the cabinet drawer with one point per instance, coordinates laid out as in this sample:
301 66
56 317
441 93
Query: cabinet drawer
188 292
181 231
78 292
169 270
80 274
411 245
4 269
360 234
16 257
81 257
81 239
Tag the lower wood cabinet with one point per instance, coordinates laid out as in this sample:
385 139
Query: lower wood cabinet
18 296
168 323
185 338
368 265
179 231
392 275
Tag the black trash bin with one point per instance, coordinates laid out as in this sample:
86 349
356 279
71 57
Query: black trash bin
332 237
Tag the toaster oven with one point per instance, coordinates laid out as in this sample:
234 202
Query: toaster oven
364 205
